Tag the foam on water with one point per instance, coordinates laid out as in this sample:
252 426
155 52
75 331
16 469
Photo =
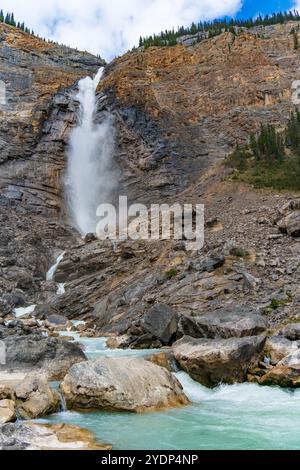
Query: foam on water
60 288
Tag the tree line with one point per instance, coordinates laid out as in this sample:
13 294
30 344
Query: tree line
213 28
9 18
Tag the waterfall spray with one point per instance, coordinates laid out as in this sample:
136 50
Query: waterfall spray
89 176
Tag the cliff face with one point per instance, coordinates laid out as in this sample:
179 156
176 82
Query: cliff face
34 121
177 112
191 105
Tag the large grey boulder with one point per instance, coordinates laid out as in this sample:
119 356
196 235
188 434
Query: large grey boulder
34 397
224 323
34 352
213 361
161 322
121 384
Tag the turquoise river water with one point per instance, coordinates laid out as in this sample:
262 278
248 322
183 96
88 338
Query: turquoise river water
242 416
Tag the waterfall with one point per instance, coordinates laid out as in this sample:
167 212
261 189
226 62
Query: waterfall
52 270
89 180
62 405
50 275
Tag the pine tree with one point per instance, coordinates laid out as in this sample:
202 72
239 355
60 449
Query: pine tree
12 20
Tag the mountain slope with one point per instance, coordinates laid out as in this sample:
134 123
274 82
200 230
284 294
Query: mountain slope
177 112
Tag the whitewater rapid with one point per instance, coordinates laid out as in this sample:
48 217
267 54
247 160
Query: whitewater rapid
239 416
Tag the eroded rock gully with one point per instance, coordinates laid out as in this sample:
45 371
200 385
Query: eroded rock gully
177 112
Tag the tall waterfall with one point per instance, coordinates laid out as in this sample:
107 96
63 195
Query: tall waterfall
89 176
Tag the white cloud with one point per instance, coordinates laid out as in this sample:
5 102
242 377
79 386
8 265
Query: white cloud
296 5
110 27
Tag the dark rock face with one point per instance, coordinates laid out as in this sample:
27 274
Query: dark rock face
216 361
161 322
224 323
33 352
34 127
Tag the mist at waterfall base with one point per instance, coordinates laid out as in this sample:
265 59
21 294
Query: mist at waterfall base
90 179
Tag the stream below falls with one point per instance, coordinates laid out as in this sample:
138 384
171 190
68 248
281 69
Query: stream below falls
241 416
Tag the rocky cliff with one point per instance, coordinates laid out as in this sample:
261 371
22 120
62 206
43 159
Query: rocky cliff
36 116
177 112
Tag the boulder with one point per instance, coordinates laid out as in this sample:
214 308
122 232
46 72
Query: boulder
163 359
224 323
278 347
286 373
7 411
57 321
90 237
291 332
160 321
290 224
210 263
43 311
6 391
34 352
34 397
31 436
213 361
121 384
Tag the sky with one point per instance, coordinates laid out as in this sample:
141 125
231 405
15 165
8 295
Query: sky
111 27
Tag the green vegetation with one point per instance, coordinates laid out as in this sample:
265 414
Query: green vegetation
275 304
171 273
9 18
272 158
238 252
212 28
